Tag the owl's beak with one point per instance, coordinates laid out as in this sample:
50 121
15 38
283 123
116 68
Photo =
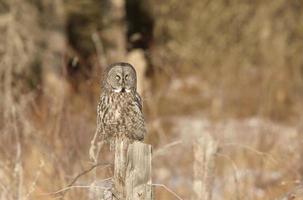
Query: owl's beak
123 89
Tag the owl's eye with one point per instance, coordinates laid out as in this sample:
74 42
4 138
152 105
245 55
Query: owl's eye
126 77
118 77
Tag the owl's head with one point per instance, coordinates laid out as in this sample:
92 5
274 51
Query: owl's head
120 77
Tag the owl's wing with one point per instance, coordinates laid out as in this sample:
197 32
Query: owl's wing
138 101
139 126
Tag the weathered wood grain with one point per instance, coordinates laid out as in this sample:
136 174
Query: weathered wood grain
138 172
132 173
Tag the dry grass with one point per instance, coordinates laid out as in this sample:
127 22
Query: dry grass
230 68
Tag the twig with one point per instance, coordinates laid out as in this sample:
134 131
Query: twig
34 183
235 169
86 171
253 150
169 190
162 149
78 176
71 187
263 154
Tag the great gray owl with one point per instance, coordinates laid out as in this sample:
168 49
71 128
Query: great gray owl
119 111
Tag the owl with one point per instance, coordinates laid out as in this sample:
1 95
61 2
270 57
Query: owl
119 112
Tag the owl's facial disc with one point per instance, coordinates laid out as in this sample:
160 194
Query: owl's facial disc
122 78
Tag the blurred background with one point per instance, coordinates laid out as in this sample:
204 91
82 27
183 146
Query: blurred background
231 68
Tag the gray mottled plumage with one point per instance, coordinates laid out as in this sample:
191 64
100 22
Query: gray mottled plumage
119 110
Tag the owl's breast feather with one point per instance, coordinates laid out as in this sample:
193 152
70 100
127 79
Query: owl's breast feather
119 108
117 113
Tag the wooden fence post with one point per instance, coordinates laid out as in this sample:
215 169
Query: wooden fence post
205 149
120 164
132 173
138 172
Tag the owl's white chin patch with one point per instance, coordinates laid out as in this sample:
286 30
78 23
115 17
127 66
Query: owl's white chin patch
118 90
122 90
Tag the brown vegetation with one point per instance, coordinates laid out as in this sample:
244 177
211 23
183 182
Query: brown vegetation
233 69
